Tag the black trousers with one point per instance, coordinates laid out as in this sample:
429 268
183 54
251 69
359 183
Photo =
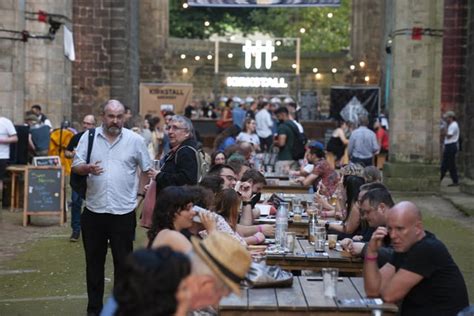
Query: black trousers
266 143
97 231
449 162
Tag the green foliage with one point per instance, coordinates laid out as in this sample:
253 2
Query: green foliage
322 34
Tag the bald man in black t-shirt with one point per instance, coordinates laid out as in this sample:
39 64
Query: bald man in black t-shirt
421 272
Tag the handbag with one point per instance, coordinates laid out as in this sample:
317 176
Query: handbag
146 218
260 276
79 182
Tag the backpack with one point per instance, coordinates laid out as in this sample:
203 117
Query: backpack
203 163
299 142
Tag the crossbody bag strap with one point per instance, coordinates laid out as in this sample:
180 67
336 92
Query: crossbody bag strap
89 144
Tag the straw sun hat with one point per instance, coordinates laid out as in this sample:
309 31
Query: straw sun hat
225 256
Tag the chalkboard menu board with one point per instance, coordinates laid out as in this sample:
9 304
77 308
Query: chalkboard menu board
44 192
309 101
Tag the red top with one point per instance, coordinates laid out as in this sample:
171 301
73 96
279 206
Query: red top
382 137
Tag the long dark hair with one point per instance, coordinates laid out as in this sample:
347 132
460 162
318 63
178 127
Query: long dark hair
149 275
352 185
227 204
169 202
233 131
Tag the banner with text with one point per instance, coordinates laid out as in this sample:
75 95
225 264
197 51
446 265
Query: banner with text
155 98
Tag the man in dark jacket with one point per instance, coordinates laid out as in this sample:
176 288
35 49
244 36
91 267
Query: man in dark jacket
180 165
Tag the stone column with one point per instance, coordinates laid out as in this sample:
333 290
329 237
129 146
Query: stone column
415 99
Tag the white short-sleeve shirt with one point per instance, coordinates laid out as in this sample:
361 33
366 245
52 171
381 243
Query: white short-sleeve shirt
7 129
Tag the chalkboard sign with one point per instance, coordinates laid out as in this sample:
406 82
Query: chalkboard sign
44 192
309 101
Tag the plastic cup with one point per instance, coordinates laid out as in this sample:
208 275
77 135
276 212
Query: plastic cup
330 276
332 241
290 241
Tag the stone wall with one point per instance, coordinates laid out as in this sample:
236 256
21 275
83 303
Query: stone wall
36 71
107 64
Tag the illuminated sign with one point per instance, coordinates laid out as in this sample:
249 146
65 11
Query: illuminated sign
256 82
256 51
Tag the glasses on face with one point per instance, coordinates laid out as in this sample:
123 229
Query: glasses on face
174 128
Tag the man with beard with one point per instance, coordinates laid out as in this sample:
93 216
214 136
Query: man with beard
111 197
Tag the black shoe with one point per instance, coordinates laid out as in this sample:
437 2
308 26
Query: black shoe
75 236
453 185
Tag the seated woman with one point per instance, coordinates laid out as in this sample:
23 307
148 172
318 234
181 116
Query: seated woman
227 204
351 224
151 278
218 158
322 171
248 134
226 138
173 213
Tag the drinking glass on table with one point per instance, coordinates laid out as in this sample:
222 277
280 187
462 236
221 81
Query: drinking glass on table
330 278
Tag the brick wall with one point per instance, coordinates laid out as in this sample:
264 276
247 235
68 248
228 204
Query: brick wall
454 52
467 115
107 64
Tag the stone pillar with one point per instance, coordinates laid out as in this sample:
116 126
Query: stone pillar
367 38
107 65
36 71
415 99
154 33
467 114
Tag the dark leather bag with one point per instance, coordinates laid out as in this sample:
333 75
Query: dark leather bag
79 182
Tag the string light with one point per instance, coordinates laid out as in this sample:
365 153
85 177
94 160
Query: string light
302 30
367 78
352 67
183 56
278 43
362 64
315 70
275 58
230 55
185 70
207 23
209 57
197 58
334 70
318 76
185 5
232 37
330 15
293 66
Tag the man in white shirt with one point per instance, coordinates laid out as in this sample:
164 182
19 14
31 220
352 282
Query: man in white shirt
264 121
7 136
111 197
450 148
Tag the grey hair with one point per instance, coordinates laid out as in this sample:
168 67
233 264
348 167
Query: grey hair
186 124
364 119
112 102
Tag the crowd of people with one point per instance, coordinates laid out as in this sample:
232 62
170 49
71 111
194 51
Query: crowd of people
203 216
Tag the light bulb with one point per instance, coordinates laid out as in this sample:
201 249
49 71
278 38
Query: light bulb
185 70
315 70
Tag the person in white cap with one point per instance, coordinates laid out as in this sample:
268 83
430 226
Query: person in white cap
450 148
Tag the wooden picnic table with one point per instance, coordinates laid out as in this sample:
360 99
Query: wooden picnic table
305 258
298 227
284 186
306 296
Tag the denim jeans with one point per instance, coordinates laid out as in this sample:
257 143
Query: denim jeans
76 206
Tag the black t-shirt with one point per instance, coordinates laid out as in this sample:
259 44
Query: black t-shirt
442 291
74 141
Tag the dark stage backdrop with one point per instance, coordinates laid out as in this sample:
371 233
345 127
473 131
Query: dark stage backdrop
368 96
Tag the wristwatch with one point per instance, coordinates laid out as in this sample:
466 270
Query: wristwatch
326 226
244 203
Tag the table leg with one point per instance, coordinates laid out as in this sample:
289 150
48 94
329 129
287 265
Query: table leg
12 193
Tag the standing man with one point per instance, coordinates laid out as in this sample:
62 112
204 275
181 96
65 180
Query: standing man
363 144
111 197
7 136
284 140
43 119
88 122
264 122
421 272
450 149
